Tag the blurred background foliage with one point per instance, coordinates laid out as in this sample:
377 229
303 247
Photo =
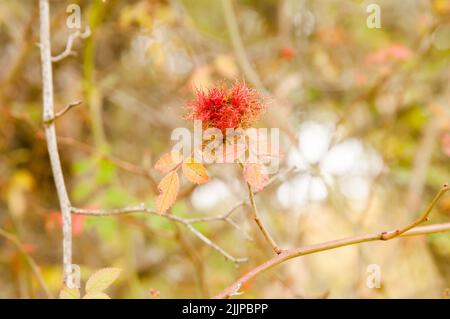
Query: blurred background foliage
364 114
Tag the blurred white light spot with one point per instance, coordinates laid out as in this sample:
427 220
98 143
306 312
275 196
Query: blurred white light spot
209 195
351 157
342 158
297 160
284 195
302 190
351 161
318 191
314 140
355 188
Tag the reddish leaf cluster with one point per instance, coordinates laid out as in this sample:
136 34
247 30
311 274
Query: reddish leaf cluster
225 107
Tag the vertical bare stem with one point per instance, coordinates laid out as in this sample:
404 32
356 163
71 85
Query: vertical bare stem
50 135
259 223
241 55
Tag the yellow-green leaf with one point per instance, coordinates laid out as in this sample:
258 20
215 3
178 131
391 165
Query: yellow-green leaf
102 279
69 293
96 295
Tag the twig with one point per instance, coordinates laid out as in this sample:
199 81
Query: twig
228 214
62 112
302 251
142 209
50 134
258 221
241 55
33 265
238 228
68 50
116 211
215 246
421 219
218 217
410 230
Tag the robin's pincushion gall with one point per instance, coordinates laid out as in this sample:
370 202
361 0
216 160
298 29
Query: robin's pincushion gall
225 107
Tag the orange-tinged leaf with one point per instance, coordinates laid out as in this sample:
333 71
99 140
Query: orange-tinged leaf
168 188
256 175
168 161
195 172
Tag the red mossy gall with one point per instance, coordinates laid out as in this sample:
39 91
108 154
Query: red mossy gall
225 107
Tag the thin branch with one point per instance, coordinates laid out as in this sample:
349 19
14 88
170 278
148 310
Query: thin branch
50 135
238 228
410 230
31 262
258 221
302 251
228 214
68 50
142 209
241 55
215 246
218 217
421 219
104 212
62 112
